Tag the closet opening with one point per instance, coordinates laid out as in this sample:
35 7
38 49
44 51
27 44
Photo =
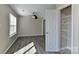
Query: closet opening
65 30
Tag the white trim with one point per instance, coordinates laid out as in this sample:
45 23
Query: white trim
29 35
9 46
12 35
53 51
59 9
72 30
64 6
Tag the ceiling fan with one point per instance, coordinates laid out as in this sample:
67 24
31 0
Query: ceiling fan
34 16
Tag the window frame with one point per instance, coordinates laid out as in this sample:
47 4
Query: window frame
11 35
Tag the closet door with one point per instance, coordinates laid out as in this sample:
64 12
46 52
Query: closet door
51 43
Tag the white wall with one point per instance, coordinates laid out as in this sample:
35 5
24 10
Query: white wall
30 27
5 41
75 26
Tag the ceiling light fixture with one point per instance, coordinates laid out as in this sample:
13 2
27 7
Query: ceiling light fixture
34 16
23 10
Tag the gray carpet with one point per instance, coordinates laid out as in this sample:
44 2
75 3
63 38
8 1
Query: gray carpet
39 44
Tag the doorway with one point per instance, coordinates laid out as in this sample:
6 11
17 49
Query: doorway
66 29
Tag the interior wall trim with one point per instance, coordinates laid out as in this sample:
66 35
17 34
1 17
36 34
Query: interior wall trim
9 46
30 35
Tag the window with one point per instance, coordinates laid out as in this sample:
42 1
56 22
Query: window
12 24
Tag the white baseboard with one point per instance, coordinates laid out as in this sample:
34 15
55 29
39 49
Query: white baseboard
30 35
53 51
9 46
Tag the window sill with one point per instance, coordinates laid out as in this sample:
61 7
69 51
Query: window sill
12 35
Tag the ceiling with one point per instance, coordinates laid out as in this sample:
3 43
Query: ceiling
28 9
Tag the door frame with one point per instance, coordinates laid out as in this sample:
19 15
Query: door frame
59 16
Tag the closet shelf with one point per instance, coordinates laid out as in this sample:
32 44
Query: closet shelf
66 30
65 23
66 37
66 16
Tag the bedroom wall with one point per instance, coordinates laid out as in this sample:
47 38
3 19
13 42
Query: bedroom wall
5 41
30 27
75 34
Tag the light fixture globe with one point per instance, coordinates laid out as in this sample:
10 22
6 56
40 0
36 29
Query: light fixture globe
34 16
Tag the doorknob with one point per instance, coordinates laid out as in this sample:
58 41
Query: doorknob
46 32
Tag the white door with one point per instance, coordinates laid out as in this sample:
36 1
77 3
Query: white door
51 41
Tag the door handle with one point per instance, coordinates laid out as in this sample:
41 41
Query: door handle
46 32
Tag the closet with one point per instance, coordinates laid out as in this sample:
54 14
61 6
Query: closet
66 29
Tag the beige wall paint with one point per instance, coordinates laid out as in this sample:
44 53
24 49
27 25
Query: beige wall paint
30 27
5 41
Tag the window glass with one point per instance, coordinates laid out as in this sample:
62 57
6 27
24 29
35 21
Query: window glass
12 25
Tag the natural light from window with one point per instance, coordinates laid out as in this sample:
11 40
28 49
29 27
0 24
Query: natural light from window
12 24
29 49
